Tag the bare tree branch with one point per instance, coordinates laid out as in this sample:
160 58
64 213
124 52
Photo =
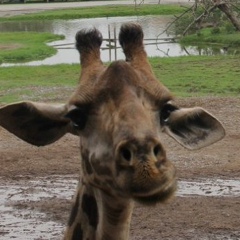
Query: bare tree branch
174 21
203 15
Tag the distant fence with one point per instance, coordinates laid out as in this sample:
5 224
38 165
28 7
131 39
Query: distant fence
112 43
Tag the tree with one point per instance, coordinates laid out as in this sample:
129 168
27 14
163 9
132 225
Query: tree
226 8
229 8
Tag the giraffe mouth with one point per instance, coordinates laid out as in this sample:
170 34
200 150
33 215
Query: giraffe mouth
150 188
161 195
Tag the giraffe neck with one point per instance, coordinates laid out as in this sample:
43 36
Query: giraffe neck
96 216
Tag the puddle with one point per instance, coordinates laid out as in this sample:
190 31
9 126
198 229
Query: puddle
26 224
210 187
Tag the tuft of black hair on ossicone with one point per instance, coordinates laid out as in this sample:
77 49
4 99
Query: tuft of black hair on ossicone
131 34
88 39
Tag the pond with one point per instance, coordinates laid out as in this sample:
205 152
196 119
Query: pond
157 42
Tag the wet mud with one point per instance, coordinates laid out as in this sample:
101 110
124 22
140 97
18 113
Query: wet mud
37 185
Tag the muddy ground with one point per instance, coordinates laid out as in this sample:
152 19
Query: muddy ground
186 217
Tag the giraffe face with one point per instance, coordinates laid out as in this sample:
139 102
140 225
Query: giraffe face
121 147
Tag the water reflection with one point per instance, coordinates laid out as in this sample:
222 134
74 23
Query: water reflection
27 26
152 27
211 50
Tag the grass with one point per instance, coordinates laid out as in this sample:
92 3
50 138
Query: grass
101 11
206 36
199 75
26 46
36 82
192 76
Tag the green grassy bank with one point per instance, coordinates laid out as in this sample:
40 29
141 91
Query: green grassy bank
207 36
192 76
101 11
26 46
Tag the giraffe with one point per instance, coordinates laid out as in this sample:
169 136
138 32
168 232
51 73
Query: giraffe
119 112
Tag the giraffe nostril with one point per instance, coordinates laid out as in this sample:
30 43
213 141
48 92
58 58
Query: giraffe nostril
157 150
126 153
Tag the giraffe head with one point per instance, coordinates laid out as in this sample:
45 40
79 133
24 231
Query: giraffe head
121 148
120 113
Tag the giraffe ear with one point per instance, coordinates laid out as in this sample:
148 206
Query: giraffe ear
36 123
194 128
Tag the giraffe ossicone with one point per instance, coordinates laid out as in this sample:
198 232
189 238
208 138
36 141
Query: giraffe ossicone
119 112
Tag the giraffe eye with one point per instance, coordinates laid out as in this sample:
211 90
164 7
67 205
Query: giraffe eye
157 150
78 116
166 112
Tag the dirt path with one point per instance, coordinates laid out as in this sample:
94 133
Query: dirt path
30 177
17 9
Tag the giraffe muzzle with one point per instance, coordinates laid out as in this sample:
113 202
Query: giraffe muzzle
132 152
152 177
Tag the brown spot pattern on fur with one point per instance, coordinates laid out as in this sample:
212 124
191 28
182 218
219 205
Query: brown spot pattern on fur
77 232
89 206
